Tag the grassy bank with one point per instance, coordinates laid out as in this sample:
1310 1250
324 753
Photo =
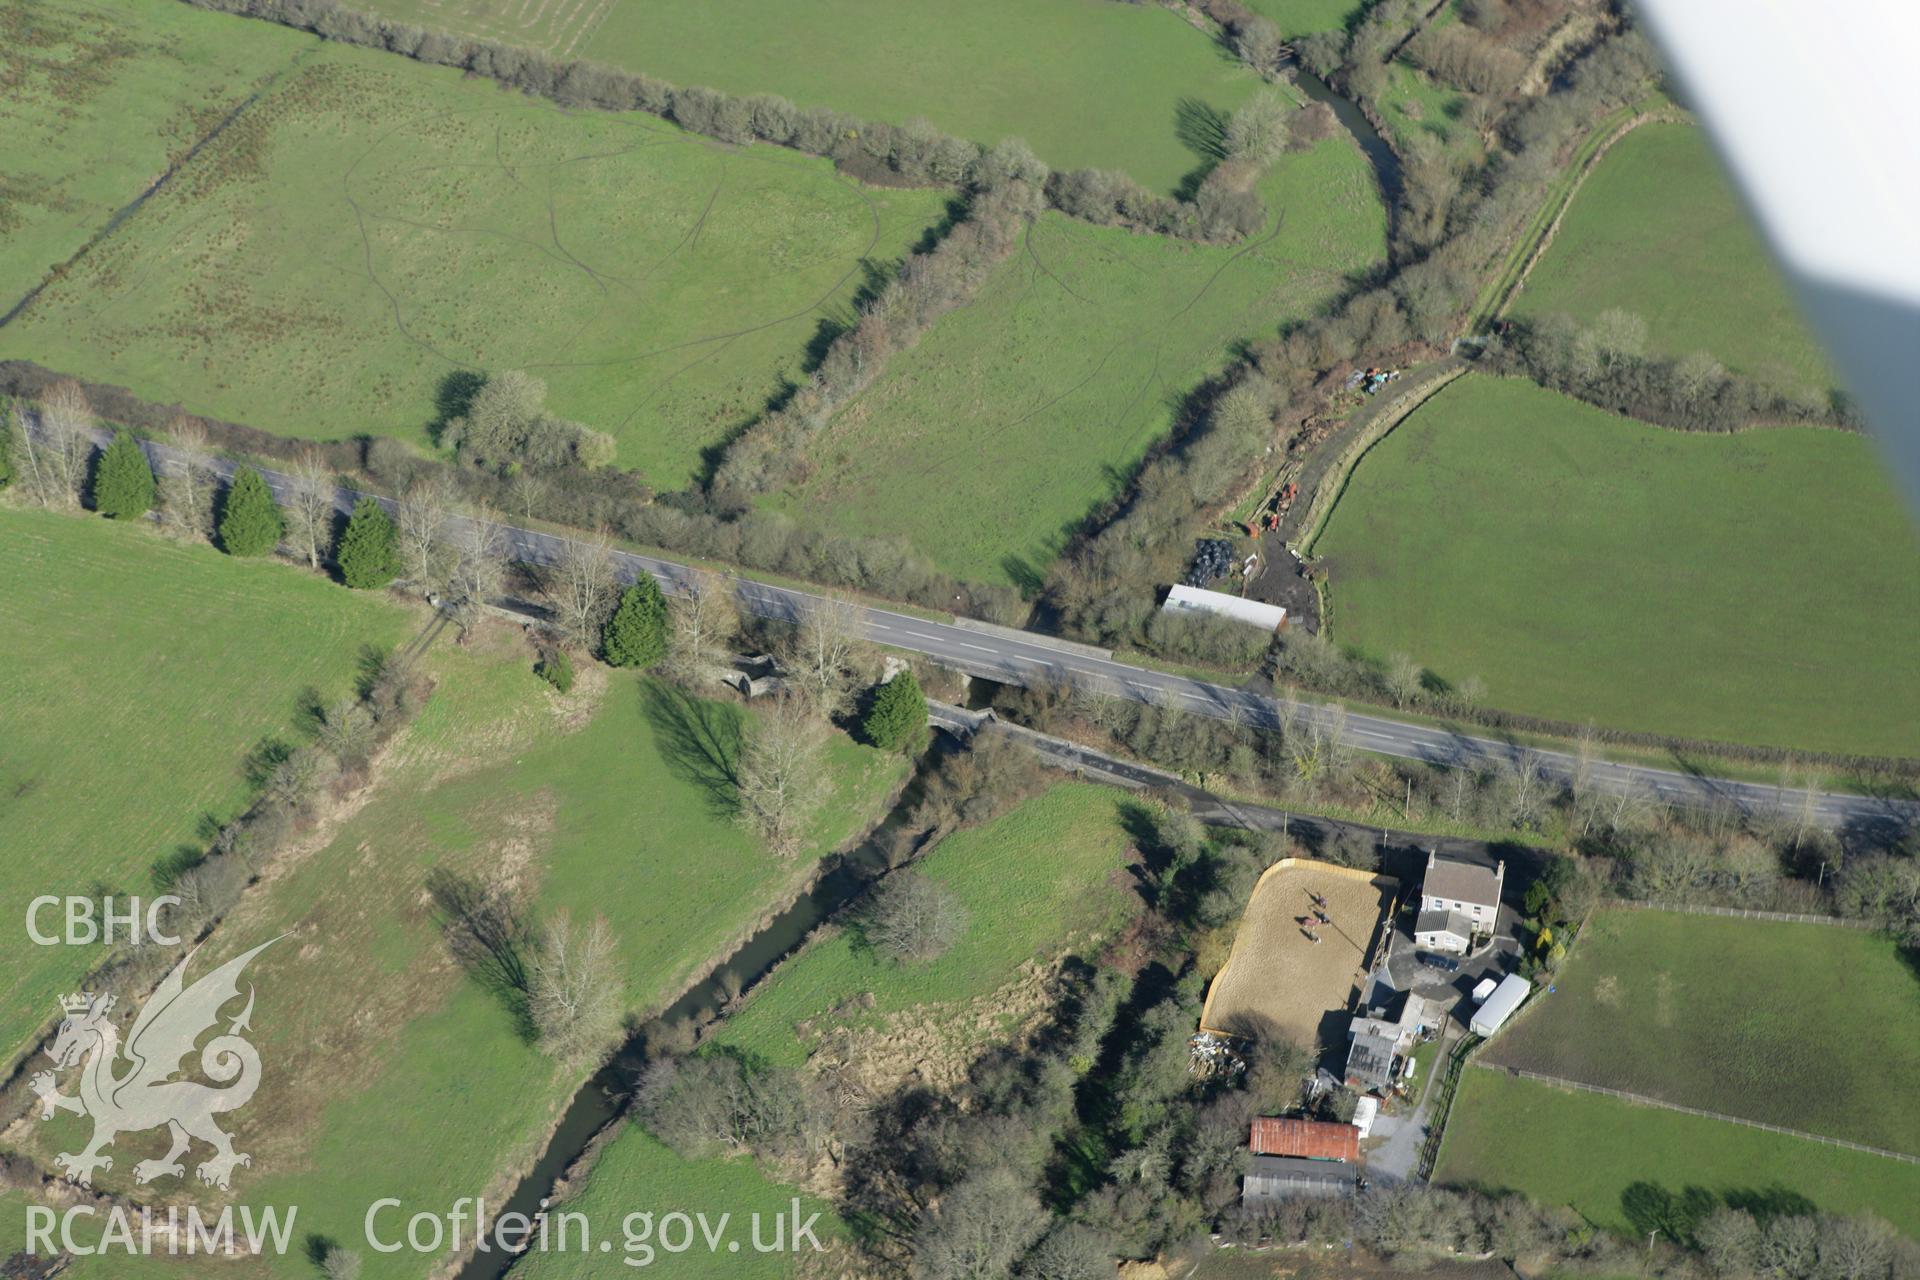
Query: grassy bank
1799 1025
395 1073
1042 878
1658 230
1759 588
1585 1151
100 99
1147 81
138 677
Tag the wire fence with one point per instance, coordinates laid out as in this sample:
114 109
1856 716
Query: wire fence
1643 1100
1781 917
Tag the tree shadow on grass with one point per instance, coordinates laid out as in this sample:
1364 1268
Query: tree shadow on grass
453 398
1650 1207
701 742
489 936
1768 1203
1201 128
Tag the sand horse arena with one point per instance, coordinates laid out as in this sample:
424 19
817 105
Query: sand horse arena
1278 979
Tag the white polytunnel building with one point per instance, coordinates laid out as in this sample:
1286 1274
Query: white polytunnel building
1498 1007
1183 599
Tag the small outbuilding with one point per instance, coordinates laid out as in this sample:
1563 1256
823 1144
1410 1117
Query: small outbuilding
1484 988
1305 1139
1271 1179
1365 1112
1370 1061
1185 599
1498 1007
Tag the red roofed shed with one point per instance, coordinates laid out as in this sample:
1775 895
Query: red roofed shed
1309 1139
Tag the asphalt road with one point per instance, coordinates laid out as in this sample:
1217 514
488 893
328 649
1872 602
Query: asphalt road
1024 658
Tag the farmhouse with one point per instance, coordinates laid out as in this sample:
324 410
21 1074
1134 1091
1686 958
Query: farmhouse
1459 902
1305 1139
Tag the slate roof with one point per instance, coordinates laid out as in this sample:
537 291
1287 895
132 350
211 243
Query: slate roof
1461 882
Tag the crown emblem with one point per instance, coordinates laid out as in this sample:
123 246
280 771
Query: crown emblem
81 1002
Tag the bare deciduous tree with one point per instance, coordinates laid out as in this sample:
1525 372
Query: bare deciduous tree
346 730
29 461
1316 742
421 530
477 550
580 585
705 620
574 989
188 482
1403 679
66 431
309 506
914 918
528 490
781 778
821 656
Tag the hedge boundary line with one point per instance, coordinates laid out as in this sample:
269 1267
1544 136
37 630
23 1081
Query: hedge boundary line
1220 210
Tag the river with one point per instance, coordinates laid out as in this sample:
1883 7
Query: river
600 1101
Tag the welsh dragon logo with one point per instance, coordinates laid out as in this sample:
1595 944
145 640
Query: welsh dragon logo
131 1089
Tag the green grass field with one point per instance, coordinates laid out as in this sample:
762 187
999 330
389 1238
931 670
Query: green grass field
637 1174
978 69
100 98
1018 413
1760 588
374 225
1424 117
392 1072
1798 1025
1559 1147
1032 879
1657 230
139 675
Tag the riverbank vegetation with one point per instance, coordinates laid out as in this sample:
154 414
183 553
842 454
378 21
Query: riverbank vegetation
420 908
